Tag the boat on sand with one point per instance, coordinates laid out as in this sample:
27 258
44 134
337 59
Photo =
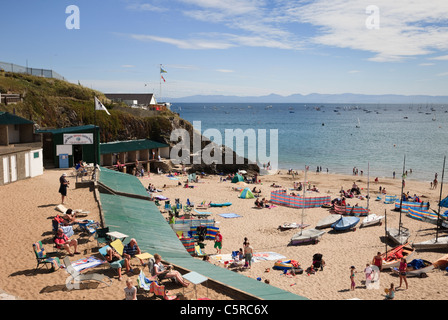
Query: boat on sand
392 257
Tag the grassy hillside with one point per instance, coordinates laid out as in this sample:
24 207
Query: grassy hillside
56 103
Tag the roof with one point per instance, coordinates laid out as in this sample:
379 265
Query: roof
142 98
141 219
123 183
88 127
8 118
130 145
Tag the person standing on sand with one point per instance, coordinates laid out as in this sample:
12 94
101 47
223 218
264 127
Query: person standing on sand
63 186
352 277
218 242
378 261
402 271
248 253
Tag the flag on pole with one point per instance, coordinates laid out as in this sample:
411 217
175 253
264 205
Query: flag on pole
100 106
162 70
163 78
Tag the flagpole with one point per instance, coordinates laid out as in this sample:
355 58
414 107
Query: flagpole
160 82
94 139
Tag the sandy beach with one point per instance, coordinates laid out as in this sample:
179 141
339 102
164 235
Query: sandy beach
29 205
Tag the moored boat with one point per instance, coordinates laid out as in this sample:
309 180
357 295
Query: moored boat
327 221
392 257
399 236
417 268
307 236
432 244
371 220
345 223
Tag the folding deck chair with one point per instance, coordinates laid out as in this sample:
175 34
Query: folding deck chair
159 290
43 259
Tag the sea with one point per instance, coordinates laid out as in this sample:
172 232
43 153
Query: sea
377 139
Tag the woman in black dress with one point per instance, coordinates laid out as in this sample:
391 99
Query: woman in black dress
63 186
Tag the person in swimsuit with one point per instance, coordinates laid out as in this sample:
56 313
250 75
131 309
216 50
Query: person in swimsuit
352 277
378 261
402 271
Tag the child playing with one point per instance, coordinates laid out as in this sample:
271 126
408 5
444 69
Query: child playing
390 293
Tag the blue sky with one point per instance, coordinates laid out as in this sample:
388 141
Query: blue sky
235 47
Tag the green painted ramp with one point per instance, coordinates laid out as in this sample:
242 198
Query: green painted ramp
142 220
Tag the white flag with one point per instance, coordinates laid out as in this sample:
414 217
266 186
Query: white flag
100 106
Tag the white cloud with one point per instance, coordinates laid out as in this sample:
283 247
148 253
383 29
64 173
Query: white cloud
406 29
440 58
146 7
225 70
426 64
128 66
354 71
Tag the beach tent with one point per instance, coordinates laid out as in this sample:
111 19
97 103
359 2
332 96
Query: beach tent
237 178
246 194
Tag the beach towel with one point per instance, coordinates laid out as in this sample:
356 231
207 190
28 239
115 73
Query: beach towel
267 256
199 213
86 263
229 215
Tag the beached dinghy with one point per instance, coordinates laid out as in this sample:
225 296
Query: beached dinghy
307 236
417 268
392 257
292 225
225 204
327 221
433 244
371 220
399 236
345 223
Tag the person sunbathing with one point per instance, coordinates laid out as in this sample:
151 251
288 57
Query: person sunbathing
166 271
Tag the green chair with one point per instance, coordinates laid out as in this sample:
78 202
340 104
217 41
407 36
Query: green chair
101 236
43 258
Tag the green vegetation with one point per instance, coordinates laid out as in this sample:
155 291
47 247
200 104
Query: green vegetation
53 103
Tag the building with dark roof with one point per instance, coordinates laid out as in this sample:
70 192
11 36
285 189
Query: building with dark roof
142 100
71 144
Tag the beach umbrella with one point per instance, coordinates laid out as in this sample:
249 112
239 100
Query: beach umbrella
246 194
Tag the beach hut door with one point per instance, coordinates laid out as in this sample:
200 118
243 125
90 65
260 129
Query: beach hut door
13 168
5 169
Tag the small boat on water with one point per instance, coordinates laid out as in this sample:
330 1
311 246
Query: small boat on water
327 221
417 268
392 257
345 223
371 220
307 236
399 236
